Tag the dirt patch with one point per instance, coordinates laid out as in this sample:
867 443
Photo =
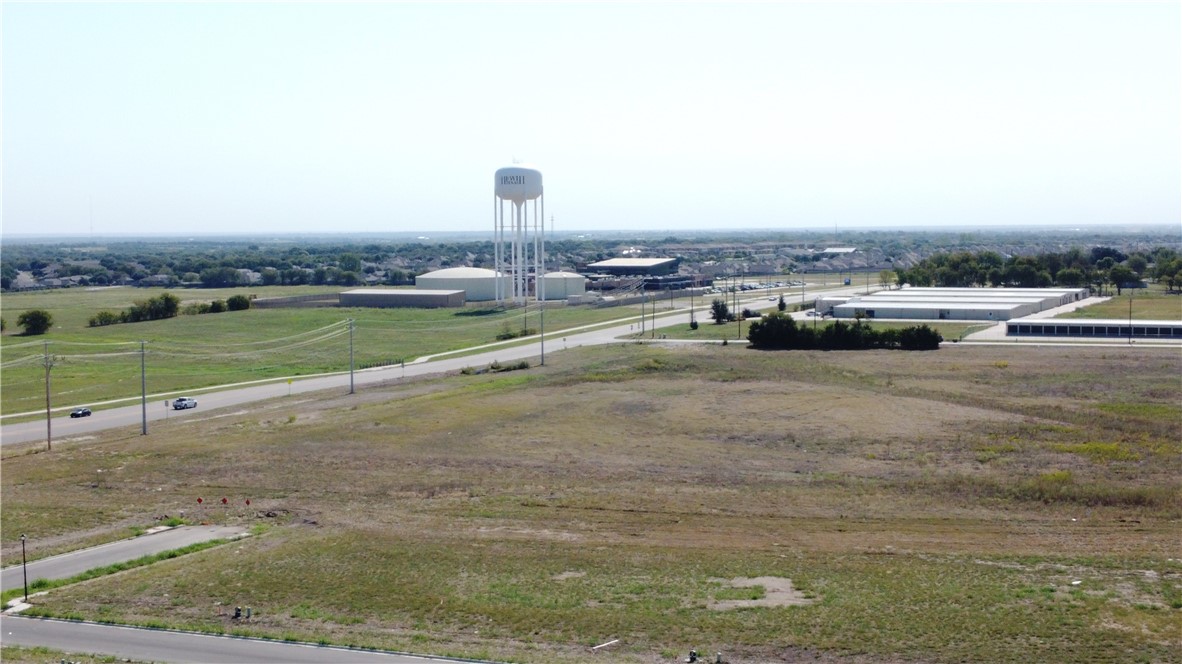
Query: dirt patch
778 591
568 575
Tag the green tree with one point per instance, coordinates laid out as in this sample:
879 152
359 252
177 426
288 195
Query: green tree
35 321
1121 276
238 303
781 305
719 311
1070 276
220 277
1137 263
349 263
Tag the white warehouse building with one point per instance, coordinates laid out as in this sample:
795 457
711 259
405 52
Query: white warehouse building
997 304
478 284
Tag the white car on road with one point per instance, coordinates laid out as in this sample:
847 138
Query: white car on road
182 403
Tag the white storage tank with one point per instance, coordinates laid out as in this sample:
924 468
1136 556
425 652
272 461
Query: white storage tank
478 284
563 285
518 183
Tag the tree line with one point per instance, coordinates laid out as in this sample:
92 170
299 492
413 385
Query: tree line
1076 267
164 306
780 332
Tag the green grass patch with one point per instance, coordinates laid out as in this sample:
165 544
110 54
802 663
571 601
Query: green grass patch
49 584
1147 304
1099 452
186 353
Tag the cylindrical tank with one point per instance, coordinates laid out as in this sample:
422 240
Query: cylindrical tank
518 183
561 285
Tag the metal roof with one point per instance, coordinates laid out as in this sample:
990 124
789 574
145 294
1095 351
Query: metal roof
631 262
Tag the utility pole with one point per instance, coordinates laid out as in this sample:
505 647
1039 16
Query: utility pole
350 356
735 298
143 392
48 413
1130 316
654 308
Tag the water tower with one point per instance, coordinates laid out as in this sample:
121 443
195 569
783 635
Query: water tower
519 185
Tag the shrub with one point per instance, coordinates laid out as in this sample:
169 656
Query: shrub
35 321
919 338
106 318
507 333
720 312
238 303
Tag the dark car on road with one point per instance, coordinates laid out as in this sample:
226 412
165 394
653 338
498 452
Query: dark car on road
80 412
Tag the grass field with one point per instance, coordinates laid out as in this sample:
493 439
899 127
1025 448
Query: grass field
187 353
968 504
1153 303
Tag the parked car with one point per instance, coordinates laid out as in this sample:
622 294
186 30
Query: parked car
80 412
182 403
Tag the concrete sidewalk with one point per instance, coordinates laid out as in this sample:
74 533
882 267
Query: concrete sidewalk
69 564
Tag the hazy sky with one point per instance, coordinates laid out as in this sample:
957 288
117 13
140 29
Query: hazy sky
295 117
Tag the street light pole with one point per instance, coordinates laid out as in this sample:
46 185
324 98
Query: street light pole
143 392
738 314
350 356
1130 316
653 334
25 567
48 412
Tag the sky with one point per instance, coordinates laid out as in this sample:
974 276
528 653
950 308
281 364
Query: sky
273 117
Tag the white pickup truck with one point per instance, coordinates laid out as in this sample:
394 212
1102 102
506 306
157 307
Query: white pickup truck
182 403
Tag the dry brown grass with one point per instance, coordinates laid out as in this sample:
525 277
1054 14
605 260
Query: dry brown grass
523 516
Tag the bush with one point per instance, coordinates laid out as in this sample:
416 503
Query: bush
919 338
720 312
217 306
238 303
106 318
35 321
507 333
165 305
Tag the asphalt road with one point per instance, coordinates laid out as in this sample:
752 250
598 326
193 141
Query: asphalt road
152 645
76 562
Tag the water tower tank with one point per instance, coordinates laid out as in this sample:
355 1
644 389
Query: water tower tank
518 183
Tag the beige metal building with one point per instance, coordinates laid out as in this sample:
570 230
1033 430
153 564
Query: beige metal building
402 297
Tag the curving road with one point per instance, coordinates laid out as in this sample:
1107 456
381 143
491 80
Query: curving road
155 645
